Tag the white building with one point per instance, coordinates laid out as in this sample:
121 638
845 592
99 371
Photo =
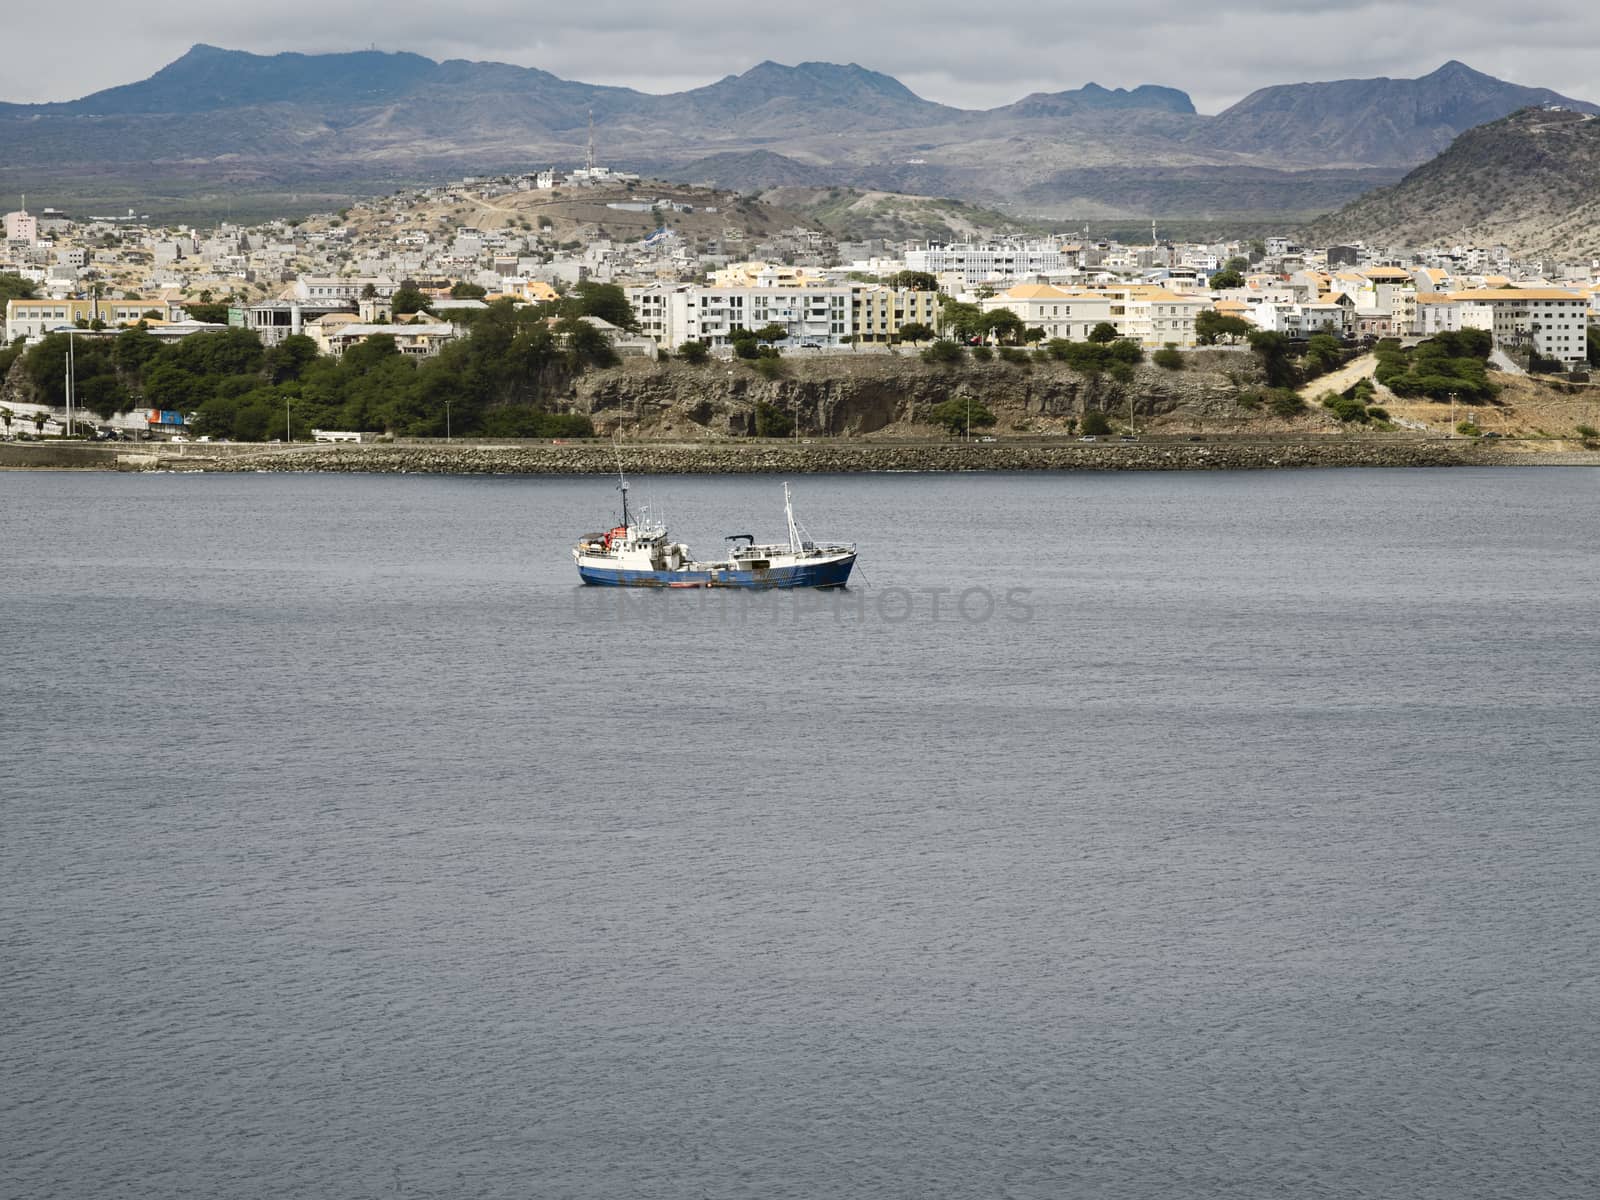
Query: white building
671 314
1060 313
333 288
977 264
1552 321
22 226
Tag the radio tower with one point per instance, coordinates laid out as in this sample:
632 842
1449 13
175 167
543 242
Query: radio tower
589 158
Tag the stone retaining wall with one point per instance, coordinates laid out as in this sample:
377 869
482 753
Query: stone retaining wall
832 458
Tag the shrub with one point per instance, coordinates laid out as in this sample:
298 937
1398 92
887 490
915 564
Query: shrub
982 353
1015 356
1378 414
1468 429
1587 431
1285 402
1346 408
772 421
958 412
769 366
943 351
1095 422
694 353
1168 358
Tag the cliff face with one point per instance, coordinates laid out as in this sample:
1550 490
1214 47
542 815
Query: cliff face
845 395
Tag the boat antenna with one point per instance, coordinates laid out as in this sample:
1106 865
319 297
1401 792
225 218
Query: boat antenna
788 512
622 483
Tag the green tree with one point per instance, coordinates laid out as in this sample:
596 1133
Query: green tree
604 300
1004 325
916 281
1103 333
960 413
1324 352
587 345
1225 279
212 314
133 349
1594 346
772 333
1168 358
914 331
407 300
1237 265
14 287
104 395
1210 327
943 351
771 421
289 358
1273 351
462 290
1096 423
744 342
960 320
694 352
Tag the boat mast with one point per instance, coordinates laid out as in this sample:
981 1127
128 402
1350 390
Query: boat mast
622 484
788 511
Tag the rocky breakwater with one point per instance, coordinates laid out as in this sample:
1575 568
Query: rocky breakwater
842 456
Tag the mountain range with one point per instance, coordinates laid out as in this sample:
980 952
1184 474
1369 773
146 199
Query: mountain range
229 120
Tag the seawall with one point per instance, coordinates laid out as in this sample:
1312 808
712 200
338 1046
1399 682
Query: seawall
737 458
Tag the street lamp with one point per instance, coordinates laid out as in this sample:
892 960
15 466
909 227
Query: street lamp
71 345
447 420
288 435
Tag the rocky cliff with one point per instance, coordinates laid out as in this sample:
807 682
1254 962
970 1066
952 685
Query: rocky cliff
851 395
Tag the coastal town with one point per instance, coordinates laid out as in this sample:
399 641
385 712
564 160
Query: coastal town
694 275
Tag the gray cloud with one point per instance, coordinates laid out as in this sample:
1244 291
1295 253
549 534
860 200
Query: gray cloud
946 50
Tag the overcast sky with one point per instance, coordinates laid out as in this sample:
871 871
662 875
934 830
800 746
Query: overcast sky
953 51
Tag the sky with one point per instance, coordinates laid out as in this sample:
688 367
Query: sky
951 51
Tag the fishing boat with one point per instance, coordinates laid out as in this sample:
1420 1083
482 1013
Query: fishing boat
640 554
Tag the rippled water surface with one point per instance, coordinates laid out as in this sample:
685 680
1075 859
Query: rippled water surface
1247 848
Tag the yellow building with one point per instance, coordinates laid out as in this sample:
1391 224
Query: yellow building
537 291
1156 317
33 319
766 275
878 312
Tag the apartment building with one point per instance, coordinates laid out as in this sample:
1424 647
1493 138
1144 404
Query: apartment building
1552 321
877 312
671 314
976 264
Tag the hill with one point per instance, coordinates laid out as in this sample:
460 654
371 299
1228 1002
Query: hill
1375 122
1530 182
237 125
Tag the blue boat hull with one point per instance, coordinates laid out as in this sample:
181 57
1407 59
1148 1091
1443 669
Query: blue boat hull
831 574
